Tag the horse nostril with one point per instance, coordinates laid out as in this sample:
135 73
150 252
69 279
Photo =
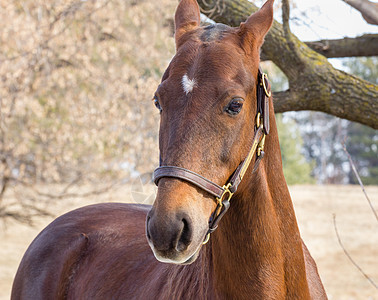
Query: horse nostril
186 236
169 235
147 228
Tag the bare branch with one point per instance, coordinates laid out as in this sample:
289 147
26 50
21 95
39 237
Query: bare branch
4 186
286 16
365 45
5 177
76 195
360 181
70 10
348 255
72 183
24 215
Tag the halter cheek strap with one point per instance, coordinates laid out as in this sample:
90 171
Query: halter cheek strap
224 194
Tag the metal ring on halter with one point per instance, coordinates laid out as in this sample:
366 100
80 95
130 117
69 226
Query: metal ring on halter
264 85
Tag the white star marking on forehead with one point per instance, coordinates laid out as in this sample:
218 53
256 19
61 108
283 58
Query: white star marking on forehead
188 84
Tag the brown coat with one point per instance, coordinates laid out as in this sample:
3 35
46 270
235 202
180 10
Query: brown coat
101 251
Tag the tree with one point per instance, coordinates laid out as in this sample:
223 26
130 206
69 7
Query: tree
77 79
313 83
324 136
296 169
362 145
362 141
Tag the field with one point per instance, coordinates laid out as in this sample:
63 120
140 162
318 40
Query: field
315 206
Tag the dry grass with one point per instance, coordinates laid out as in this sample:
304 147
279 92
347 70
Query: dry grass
357 228
314 207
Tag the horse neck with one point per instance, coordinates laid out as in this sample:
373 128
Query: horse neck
257 249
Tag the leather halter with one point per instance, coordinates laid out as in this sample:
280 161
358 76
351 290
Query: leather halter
225 193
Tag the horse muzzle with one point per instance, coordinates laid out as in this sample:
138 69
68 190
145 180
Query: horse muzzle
172 237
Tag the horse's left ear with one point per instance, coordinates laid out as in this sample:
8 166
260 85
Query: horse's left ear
187 18
257 26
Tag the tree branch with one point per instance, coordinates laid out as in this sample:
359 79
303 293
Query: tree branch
368 10
314 83
365 45
349 256
360 181
286 16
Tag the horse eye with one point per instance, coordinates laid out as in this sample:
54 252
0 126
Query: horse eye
235 106
157 104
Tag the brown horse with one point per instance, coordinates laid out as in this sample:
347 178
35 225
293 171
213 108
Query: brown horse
214 105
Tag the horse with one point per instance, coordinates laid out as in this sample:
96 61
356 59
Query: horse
222 225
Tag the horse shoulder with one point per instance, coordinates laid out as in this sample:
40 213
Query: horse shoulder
51 264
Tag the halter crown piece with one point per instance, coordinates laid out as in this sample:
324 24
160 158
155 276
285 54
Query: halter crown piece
224 194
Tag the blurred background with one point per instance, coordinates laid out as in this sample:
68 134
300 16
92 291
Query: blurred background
77 126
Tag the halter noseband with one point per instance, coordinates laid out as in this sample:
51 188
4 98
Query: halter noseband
224 194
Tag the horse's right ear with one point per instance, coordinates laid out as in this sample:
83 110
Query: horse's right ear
187 18
257 25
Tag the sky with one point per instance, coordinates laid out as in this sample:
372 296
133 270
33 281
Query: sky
324 19
328 19
313 20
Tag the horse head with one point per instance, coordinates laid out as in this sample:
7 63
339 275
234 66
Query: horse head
207 102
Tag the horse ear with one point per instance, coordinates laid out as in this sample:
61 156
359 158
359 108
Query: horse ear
257 26
187 18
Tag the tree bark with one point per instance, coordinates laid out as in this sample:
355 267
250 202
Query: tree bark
314 83
365 45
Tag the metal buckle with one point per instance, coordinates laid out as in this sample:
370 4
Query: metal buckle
222 207
220 212
225 192
264 75
261 145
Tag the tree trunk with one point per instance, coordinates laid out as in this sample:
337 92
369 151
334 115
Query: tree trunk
314 83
